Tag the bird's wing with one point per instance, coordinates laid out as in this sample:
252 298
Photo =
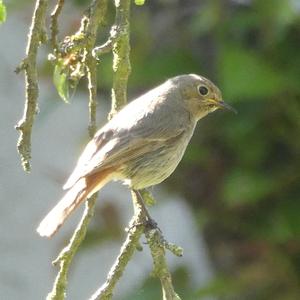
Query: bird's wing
131 133
117 150
123 151
100 139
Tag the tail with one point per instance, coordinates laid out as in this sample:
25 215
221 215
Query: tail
57 216
81 190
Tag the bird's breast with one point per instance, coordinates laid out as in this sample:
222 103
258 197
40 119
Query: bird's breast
156 165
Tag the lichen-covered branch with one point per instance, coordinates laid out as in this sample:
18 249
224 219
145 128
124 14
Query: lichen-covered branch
157 245
66 256
121 61
29 65
105 48
54 24
118 43
131 243
96 16
92 87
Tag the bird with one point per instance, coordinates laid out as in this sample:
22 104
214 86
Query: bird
141 145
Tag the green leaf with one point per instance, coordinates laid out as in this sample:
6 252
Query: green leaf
2 12
139 2
61 83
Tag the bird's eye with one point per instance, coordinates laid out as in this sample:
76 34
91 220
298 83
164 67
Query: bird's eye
203 90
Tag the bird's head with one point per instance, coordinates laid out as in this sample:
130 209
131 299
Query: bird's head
199 95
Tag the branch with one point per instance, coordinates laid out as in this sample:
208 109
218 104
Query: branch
65 257
121 61
118 43
54 23
92 87
96 16
139 224
35 37
105 48
158 246
127 250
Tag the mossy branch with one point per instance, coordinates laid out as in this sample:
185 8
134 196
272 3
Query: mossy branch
131 243
139 224
95 17
158 246
54 24
65 257
36 36
121 60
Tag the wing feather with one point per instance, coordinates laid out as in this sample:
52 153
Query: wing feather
133 132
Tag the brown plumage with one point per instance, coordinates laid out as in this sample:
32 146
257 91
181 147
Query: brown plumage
80 191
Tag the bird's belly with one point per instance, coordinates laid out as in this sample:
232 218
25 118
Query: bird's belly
156 166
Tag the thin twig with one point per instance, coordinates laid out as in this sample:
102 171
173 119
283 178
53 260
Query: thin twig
96 15
36 36
156 244
121 61
92 87
108 45
65 257
131 243
104 48
54 23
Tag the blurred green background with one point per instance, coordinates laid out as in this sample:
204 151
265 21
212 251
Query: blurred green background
241 173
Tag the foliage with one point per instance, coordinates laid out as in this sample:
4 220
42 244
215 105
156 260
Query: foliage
2 12
60 81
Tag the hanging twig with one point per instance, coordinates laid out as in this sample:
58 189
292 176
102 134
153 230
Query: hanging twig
35 38
96 16
66 256
121 61
131 243
158 245
54 24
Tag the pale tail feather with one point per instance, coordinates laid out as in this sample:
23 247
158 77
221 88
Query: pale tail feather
57 216
81 190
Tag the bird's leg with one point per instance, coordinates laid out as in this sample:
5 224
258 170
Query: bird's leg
150 223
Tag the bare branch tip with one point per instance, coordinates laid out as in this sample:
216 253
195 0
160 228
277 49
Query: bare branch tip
26 165
21 67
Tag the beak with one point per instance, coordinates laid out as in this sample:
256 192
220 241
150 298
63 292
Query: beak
224 105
